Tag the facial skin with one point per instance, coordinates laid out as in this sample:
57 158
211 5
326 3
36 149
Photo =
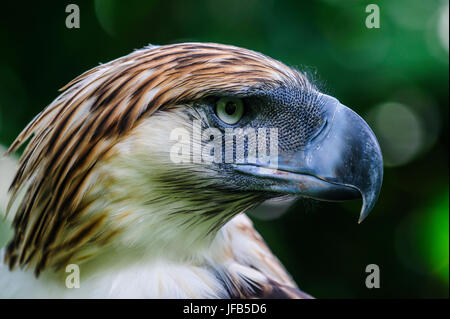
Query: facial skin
295 116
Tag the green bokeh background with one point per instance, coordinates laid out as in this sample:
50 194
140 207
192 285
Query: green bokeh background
404 62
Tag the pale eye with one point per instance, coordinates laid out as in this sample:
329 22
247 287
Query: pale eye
229 109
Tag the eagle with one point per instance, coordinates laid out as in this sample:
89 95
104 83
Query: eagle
128 175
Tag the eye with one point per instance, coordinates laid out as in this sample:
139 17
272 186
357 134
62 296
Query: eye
229 109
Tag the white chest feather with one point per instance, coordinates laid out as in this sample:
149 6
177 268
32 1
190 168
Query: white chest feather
234 257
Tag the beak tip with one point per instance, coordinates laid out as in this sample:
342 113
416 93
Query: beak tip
363 215
369 200
361 218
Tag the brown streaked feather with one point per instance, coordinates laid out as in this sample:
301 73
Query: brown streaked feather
275 290
261 275
267 289
97 110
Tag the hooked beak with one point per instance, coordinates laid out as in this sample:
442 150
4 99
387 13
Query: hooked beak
342 162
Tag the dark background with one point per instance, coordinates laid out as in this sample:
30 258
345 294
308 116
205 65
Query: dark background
396 77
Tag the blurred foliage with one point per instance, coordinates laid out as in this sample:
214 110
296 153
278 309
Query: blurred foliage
404 62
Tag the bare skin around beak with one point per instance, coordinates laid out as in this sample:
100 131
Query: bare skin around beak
342 162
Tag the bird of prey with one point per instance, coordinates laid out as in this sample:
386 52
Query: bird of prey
99 186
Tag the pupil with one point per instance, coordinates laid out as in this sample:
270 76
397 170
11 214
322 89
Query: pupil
230 108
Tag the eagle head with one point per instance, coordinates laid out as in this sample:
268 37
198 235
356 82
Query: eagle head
161 148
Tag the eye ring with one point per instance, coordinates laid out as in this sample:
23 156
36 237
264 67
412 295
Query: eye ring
229 110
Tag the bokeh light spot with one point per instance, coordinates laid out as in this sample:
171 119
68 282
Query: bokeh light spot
422 239
399 131
272 209
435 241
119 18
443 26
